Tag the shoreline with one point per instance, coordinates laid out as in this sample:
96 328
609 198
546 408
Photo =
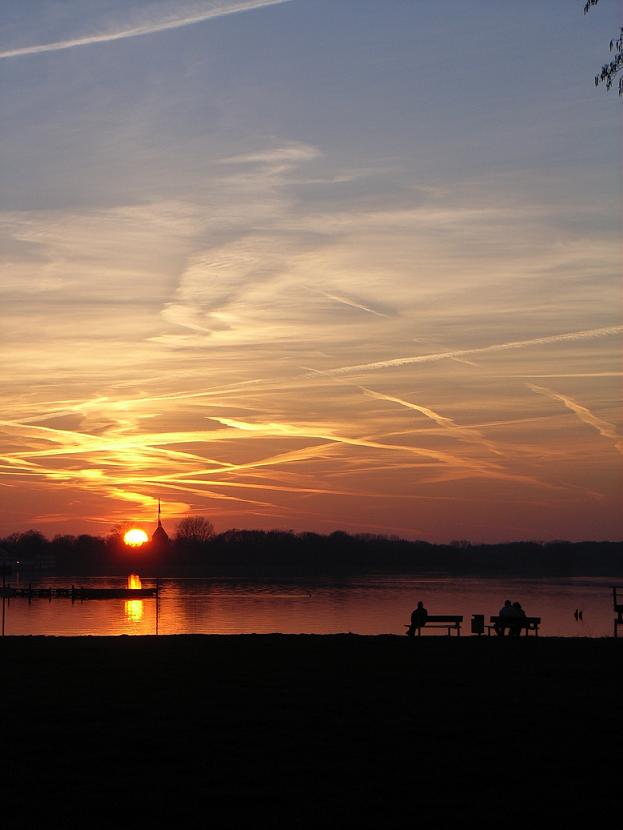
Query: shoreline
346 635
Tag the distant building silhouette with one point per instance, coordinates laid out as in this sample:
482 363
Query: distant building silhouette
160 538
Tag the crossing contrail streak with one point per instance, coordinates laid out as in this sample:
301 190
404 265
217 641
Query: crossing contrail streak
604 428
468 434
214 10
352 303
496 347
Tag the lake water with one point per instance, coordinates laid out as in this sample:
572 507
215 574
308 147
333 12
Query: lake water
362 605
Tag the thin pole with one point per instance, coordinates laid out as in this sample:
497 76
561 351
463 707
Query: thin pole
3 594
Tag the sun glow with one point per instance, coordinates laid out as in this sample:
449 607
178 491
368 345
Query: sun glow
134 607
135 538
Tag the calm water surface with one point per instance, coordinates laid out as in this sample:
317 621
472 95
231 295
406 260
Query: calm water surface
363 605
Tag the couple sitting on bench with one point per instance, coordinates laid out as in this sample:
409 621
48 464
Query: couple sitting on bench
511 617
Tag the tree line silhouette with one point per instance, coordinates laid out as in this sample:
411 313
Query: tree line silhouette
280 553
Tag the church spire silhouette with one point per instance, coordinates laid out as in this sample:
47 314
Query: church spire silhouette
160 538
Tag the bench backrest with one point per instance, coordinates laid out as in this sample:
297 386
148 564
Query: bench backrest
516 620
444 618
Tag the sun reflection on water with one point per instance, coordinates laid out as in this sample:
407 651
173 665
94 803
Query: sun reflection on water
134 607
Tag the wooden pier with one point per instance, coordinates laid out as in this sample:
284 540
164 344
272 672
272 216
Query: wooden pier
77 593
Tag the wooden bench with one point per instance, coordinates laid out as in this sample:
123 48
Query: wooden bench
450 622
527 624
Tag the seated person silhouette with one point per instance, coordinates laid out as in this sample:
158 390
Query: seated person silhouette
515 620
504 614
418 619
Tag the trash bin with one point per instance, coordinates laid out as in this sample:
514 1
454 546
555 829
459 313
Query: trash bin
478 624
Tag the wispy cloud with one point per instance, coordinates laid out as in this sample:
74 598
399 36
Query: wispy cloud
604 428
293 152
214 9
606 331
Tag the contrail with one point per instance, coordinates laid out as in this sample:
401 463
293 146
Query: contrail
604 428
214 10
345 301
570 375
468 434
472 468
497 347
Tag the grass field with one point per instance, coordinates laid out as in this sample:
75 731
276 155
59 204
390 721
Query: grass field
325 731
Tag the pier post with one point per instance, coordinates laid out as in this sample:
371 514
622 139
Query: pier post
3 594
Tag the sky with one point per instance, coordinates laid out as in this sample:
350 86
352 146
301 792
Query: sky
311 265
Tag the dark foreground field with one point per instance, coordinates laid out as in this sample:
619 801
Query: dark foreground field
331 731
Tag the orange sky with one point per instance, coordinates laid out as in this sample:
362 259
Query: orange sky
354 312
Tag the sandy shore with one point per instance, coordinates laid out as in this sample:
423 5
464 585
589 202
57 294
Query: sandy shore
304 730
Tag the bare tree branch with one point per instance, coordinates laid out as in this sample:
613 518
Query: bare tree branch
610 70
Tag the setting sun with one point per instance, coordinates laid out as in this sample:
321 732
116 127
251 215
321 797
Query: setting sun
135 538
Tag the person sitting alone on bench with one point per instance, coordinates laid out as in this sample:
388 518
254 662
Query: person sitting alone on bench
418 619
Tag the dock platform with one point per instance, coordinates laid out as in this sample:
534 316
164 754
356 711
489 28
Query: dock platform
77 593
